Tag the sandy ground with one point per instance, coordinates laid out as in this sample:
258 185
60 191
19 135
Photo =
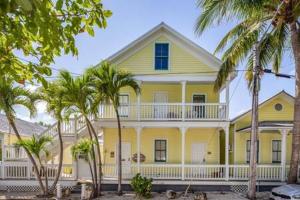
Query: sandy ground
128 196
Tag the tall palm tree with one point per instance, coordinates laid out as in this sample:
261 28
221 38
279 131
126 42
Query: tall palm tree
108 81
79 99
12 95
254 18
53 96
37 147
84 149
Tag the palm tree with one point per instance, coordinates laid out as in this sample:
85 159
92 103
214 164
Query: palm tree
53 96
84 149
12 95
254 18
37 147
108 81
79 98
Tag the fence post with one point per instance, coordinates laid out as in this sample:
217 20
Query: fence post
28 170
83 191
58 191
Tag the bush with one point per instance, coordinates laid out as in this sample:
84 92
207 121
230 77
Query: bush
142 186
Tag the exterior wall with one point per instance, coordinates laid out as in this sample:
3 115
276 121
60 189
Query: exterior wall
173 137
265 147
267 112
142 62
174 92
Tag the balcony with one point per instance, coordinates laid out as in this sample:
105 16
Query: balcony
167 111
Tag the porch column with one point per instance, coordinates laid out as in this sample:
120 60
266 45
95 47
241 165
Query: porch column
226 129
183 131
138 146
227 99
284 133
139 103
75 161
183 89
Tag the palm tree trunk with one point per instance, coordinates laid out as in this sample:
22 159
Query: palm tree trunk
38 176
292 178
46 179
98 152
61 151
92 175
94 163
119 153
254 126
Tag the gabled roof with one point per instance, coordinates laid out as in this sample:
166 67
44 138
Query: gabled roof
25 128
281 93
163 29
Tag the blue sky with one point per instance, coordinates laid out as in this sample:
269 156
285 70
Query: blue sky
132 18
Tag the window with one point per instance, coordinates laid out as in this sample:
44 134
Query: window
248 147
278 106
161 56
124 105
276 151
160 151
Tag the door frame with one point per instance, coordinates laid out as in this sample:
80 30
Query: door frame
117 153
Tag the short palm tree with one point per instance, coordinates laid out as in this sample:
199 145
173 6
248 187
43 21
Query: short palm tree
79 99
12 95
108 82
255 17
53 96
84 149
37 147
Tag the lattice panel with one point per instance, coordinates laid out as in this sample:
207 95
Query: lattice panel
28 188
241 189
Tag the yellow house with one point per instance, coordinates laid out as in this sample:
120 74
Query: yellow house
175 123
274 139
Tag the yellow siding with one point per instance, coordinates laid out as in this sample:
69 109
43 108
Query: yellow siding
10 139
141 62
173 137
173 91
267 112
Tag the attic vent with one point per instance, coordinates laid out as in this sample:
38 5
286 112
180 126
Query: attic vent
278 106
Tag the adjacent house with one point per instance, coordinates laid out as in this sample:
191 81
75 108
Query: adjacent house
8 137
274 139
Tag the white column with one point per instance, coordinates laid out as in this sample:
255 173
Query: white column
138 146
226 129
227 98
284 133
139 103
183 89
183 131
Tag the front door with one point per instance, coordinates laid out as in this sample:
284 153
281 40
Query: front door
160 107
199 108
126 158
198 153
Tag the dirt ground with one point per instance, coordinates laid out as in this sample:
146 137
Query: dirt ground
129 196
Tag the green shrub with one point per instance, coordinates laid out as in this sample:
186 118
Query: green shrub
142 186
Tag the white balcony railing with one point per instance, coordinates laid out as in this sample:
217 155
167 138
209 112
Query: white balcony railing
167 111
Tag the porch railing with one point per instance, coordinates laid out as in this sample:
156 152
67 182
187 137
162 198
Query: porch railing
24 170
196 172
11 152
